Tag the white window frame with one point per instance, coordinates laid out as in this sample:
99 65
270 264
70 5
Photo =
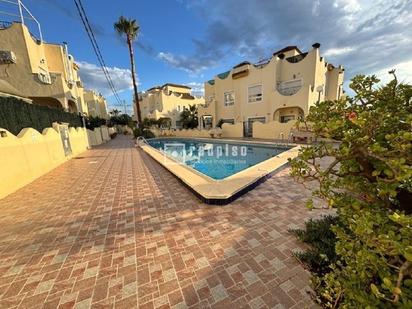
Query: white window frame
261 94
229 103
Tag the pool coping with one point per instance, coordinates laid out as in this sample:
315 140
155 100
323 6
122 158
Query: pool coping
222 191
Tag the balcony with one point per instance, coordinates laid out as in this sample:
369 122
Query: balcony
240 70
290 87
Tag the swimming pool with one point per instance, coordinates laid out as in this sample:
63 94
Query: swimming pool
214 158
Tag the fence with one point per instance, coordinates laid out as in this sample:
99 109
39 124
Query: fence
98 136
232 130
32 154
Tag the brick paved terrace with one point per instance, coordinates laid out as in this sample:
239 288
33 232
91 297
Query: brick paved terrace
114 229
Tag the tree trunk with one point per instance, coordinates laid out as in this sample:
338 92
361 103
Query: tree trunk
136 95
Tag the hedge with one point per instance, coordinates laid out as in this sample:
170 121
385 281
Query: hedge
16 114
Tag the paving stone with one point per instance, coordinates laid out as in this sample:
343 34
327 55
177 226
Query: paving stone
123 232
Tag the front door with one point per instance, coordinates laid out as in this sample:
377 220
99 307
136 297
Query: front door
248 126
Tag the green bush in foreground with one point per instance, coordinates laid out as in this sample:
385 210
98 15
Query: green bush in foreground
319 235
369 182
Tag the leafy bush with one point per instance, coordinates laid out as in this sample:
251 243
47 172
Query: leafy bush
16 115
94 122
146 133
164 122
369 181
320 237
123 119
149 122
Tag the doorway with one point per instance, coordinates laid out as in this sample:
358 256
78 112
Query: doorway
248 125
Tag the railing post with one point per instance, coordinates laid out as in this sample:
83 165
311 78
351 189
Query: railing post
21 12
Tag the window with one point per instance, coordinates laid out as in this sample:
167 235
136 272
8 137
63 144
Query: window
207 122
286 118
229 98
178 108
231 121
255 94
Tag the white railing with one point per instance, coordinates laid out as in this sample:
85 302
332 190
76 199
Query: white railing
21 8
141 139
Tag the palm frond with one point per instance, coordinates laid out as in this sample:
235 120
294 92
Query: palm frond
129 27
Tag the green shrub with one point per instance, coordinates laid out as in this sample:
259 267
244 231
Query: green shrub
122 119
16 114
146 133
322 240
94 122
164 122
369 182
149 122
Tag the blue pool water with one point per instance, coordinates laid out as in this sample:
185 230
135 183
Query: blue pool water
216 159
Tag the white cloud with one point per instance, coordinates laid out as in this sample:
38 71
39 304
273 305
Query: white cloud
315 7
192 65
403 73
337 51
198 89
363 35
348 6
93 78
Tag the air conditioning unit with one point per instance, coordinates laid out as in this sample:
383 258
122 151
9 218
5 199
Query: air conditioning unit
7 57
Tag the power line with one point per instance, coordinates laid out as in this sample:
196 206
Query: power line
95 43
92 38
95 46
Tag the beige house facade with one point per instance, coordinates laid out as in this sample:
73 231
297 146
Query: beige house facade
45 73
96 104
167 101
278 90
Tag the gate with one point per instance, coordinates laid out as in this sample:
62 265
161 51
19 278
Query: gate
64 135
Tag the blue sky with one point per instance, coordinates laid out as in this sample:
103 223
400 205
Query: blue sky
189 42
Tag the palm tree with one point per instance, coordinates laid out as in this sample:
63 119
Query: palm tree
115 112
129 28
189 117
